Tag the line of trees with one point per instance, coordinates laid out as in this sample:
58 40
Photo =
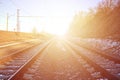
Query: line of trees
101 21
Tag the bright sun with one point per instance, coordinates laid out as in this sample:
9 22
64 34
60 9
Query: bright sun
56 25
55 20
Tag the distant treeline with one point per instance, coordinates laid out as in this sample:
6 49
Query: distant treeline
101 21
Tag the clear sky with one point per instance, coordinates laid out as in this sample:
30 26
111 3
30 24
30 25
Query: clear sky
52 12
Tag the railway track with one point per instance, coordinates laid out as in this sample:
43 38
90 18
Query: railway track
59 60
114 51
13 64
58 68
108 68
14 43
97 51
15 47
78 61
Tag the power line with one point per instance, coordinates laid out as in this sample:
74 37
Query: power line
32 16
18 7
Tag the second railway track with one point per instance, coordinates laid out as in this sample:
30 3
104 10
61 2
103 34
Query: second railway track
13 64
107 68
59 60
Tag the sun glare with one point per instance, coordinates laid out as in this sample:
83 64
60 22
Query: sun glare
56 25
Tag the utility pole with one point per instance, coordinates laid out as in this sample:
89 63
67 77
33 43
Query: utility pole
7 22
18 25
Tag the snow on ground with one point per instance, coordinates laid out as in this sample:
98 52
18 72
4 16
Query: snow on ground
108 46
102 43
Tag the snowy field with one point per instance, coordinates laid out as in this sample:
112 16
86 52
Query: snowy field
102 43
110 47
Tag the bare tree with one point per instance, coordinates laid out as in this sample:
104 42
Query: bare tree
105 6
118 3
